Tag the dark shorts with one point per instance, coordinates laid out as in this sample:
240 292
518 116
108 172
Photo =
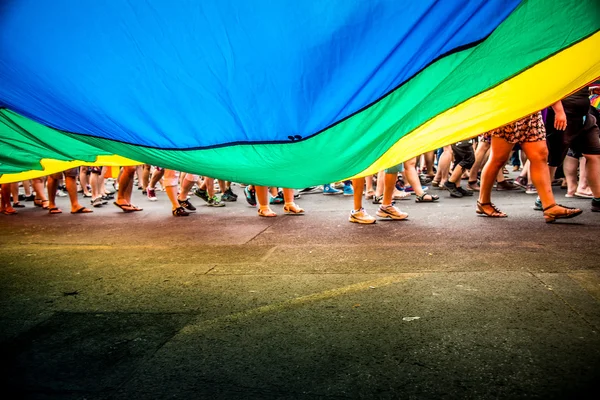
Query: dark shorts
580 137
464 155
95 170
72 173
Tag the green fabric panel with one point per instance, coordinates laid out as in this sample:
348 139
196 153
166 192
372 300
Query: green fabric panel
25 142
533 32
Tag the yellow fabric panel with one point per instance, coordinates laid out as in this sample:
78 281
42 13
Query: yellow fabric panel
526 93
51 166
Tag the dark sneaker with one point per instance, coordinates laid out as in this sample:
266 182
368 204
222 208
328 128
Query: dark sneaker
595 205
214 202
180 212
425 180
454 192
187 205
31 197
203 194
506 185
530 189
229 196
277 199
250 196
521 181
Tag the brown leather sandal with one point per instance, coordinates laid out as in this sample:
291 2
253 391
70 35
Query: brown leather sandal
496 213
563 213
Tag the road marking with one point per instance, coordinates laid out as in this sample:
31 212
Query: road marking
296 302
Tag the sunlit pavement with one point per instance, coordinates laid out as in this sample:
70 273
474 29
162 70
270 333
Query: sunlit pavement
224 304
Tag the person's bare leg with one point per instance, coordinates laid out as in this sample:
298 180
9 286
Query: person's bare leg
525 170
570 166
411 176
125 185
592 168
146 177
83 180
186 186
369 184
71 185
262 198
172 195
139 171
156 176
389 184
380 179
40 195
209 184
6 206
537 153
444 166
51 187
429 159
14 191
95 184
359 186
27 187
480 153
583 185
500 149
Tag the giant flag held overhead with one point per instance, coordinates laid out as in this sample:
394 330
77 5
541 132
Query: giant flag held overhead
286 93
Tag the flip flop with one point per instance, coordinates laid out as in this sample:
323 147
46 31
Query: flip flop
127 208
82 210
54 210
136 208
40 203
9 212
584 195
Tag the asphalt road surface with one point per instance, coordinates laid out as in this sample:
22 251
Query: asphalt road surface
226 305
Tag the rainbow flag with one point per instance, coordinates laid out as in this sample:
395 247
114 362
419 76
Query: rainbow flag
284 93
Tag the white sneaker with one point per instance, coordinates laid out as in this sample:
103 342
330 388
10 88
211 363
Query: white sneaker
391 212
361 217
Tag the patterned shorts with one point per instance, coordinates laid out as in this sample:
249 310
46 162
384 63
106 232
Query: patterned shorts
528 129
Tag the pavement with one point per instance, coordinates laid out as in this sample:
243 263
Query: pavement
226 305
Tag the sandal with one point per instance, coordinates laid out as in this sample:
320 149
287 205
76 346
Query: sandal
82 210
18 205
54 210
293 209
9 212
370 194
40 203
127 208
266 213
564 213
427 198
250 196
496 213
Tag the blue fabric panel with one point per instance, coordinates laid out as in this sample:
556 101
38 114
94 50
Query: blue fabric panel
190 73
